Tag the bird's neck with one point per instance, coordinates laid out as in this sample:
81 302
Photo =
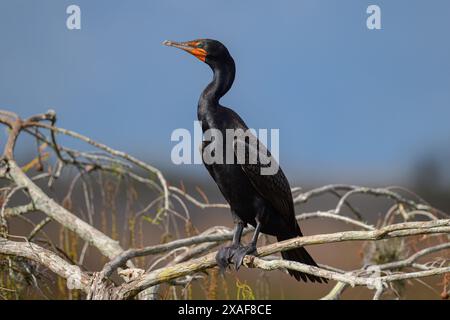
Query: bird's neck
222 81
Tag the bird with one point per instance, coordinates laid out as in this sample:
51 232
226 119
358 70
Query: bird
262 201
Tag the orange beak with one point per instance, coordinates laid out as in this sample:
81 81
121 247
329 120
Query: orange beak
190 46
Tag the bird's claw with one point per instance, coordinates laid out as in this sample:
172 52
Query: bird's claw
240 253
224 256
233 255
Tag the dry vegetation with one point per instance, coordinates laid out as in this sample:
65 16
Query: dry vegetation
111 195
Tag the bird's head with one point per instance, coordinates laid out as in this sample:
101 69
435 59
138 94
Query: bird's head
206 50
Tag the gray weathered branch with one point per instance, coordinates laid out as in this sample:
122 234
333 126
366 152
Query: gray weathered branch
76 279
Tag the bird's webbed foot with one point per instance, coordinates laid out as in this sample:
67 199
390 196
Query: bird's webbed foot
241 252
224 256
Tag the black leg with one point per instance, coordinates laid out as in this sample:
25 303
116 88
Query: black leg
225 254
238 233
239 255
256 234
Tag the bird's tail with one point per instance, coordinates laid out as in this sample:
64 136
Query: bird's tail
302 256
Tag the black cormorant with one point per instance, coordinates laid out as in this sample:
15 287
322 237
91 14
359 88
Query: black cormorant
263 201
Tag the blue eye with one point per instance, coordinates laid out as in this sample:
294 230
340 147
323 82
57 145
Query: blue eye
200 45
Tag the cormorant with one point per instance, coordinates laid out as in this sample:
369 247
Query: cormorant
263 201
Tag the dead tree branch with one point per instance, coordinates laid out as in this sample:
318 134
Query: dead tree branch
180 260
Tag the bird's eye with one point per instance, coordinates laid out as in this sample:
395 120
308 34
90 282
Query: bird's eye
200 45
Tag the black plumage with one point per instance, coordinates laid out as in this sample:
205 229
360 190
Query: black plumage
263 201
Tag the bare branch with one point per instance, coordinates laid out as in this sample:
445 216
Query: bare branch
397 230
331 215
106 245
114 152
19 210
76 279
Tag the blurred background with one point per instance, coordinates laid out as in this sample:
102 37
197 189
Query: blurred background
353 105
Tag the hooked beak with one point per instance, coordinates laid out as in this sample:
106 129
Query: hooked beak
190 46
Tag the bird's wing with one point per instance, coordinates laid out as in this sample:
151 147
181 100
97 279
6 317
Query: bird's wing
274 188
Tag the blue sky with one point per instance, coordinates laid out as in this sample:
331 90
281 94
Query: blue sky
350 103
